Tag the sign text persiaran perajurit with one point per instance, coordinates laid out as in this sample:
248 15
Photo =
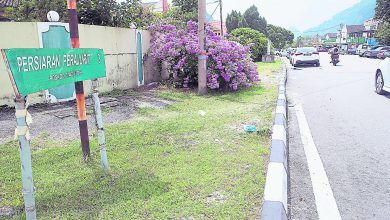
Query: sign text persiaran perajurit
34 70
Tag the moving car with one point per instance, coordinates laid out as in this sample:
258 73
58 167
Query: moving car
374 52
382 77
305 55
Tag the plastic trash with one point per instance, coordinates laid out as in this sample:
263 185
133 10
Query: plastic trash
250 128
202 113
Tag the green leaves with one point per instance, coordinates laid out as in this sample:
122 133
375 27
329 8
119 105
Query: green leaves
254 39
384 33
279 36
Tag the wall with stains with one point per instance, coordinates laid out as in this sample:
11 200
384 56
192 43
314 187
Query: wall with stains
119 45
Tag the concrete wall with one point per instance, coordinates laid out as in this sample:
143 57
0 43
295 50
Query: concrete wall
119 45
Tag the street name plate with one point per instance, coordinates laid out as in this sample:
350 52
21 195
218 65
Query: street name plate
34 70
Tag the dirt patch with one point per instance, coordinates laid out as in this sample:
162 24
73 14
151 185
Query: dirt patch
215 197
59 121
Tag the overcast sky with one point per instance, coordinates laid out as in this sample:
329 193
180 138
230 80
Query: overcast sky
300 14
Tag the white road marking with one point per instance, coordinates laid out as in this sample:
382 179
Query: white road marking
325 201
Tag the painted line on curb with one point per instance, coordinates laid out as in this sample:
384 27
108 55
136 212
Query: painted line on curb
325 201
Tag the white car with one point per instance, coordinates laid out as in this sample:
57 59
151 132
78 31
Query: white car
382 77
305 55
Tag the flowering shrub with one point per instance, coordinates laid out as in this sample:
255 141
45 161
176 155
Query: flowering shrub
229 65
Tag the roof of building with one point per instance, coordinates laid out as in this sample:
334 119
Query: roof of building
9 3
355 28
331 35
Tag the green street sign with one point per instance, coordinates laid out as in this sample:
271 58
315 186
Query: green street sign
34 70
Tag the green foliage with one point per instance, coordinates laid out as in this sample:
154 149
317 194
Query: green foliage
254 39
383 33
131 11
382 10
251 18
186 5
36 10
94 12
235 20
178 17
254 20
279 36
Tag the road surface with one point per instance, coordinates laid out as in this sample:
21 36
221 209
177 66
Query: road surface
349 125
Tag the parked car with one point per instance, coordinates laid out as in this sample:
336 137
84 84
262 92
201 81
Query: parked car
282 53
351 51
370 48
383 54
362 48
374 52
305 55
322 49
382 77
386 54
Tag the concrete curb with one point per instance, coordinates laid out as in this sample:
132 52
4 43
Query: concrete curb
275 192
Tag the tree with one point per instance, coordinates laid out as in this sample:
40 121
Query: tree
186 5
382 10
254 39
131 12
279 36
235 20
254 20
383 33
36 10
96 12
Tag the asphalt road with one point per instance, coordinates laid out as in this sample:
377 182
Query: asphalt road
350 126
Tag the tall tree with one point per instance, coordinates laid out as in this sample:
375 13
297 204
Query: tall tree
382 12
235 20
254 20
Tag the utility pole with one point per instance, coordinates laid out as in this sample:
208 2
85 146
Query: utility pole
202 56
221 16
165 5
80 98
340 33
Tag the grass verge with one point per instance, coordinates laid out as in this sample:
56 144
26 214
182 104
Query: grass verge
172 163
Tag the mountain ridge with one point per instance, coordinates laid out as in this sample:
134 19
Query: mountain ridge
354 15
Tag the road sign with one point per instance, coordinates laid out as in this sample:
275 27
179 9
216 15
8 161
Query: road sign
34 70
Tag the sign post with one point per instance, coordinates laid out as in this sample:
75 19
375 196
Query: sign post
34 70
99 125
79 86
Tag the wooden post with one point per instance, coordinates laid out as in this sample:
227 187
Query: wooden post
99 125
25 157
80 98
202 57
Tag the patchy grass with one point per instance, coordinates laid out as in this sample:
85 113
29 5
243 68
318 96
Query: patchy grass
170 163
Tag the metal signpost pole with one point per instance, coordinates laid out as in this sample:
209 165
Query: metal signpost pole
25 157
80 98
99 125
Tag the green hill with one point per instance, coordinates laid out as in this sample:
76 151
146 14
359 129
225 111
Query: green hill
356 14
